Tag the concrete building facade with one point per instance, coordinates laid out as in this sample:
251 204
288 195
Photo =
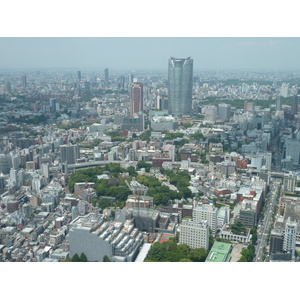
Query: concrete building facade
194 233
207 212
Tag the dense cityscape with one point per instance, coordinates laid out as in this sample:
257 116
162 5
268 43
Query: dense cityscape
173 165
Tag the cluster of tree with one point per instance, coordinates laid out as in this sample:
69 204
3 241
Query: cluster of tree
106 259
238 103
70 125
186 125
179 179
28 120
292 195
115 136
90 144
196 136
145 135
238 227
181 142
172 135
77 258
169 251
203 157
116 189
90 175
86 175
143 164
247 254
162 194
254 235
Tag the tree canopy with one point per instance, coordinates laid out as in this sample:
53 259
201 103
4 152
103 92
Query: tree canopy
169 251
238 227
77 258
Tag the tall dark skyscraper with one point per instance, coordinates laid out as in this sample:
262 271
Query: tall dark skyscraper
53 104
278 103
180 86
122 82
79 75
106 75
24 81
294 108
136 98
7 87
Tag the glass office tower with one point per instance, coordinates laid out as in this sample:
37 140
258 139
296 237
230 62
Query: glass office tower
180 86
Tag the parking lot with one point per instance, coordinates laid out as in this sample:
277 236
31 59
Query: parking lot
236 252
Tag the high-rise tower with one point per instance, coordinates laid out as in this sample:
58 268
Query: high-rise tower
290 236
79 75
294 107
180 86
224 111
24 81
106 76
136 98
278 103
69 153
284 90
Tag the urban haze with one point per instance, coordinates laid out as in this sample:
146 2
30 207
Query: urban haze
149 150
269 54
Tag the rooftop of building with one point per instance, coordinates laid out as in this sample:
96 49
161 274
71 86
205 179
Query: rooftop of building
292 211
219 252
87 221
165 237
143 252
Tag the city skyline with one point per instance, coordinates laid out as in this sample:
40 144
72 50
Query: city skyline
149 53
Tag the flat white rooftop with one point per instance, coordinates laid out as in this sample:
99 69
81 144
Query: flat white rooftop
143 252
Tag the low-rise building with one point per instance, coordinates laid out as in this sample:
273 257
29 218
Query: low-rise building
227 234
220 252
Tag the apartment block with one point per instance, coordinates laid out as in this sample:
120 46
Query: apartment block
194 233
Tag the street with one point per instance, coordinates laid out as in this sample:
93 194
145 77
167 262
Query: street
264 225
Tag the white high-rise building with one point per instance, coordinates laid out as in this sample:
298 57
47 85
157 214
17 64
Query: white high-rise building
289 182
45 170
207 212
211 112
13 175
245 88
284 91
290 235
223 216
194 233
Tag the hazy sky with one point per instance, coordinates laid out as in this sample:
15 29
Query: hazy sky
134 53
